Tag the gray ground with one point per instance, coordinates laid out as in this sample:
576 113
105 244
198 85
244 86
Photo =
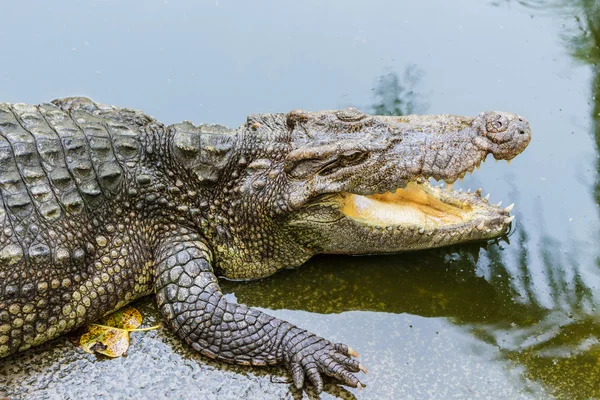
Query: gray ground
415 358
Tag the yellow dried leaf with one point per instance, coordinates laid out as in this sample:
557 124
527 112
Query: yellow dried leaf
125 318
110 335
112 342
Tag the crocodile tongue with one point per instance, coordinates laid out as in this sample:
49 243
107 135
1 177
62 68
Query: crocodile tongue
409 205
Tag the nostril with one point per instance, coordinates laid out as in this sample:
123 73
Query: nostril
520 119
522 132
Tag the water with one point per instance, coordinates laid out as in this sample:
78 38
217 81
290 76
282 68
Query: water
516 318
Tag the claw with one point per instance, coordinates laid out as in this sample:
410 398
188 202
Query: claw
360 385
362 368
352 352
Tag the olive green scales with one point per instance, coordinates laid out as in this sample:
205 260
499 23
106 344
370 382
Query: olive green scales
102 205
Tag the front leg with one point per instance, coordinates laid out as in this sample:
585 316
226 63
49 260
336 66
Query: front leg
190 299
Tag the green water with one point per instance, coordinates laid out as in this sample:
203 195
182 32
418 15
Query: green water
515 318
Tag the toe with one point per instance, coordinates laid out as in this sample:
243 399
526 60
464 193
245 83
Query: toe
344 349
312 372
338 371
297 375
350 364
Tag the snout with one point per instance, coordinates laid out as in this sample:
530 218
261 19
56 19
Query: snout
506 135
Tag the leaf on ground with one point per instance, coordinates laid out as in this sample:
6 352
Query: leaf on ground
110 334
126 318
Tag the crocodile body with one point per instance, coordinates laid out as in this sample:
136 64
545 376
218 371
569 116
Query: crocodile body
102 205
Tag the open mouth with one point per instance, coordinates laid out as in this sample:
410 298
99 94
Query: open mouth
428 208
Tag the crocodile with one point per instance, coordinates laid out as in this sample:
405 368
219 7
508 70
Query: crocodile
102 205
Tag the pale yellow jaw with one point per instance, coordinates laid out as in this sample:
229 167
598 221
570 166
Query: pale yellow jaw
409 206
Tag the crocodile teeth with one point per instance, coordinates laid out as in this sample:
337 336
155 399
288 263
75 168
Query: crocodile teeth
499 204
449 186
487 198
509 208
508 161
480 226
508 220
478 191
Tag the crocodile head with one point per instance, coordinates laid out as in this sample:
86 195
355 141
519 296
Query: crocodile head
359 184
284 187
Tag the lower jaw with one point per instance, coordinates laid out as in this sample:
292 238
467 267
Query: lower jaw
355 238
417 217
426 216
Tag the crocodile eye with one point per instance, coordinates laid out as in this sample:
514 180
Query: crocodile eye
345 160
353 157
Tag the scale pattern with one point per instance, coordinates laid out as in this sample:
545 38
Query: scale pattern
101 205
68 252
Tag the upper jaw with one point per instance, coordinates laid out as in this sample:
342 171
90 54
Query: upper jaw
458 169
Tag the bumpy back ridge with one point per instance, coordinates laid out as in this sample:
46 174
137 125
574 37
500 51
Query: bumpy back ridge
61 160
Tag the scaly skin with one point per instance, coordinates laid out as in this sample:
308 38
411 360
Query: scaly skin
103 205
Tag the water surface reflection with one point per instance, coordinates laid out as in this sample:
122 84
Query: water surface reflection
546 321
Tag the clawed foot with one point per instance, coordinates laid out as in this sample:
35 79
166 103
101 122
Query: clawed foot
309 356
